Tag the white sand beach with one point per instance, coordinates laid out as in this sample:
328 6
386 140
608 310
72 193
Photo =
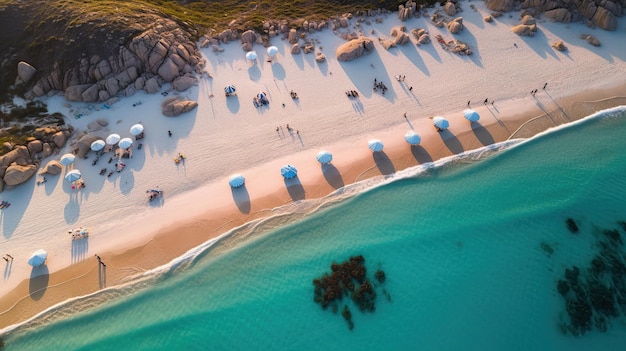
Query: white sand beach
227 135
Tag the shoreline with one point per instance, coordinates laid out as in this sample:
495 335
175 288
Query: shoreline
349 166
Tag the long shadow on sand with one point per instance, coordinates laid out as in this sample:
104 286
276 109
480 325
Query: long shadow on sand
254 73
242 198
332 176
295 189
452 142
278 71
80 247
420 154
38 284
383 163
411 53
482 134
232 102
12 216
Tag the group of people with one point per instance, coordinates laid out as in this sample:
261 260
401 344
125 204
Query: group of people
78 185
352 93
380 85
293 94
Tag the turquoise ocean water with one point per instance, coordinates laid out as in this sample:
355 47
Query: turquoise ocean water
472 250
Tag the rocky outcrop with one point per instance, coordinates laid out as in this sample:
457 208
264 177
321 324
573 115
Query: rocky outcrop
184 82
605 19
500 5
175 106
524 30
18 174
450 8
421 36
53 167
407 10
25 71
354 48
456 25
591 39
602 13
164 51
560 15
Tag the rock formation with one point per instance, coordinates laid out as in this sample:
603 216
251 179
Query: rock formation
559 45
456 25
524 30
354 48
17 174
175 106
160 54
53 167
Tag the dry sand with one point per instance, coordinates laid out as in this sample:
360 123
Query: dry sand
197 214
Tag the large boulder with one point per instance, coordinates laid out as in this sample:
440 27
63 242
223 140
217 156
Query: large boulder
18 174
152 86
168 70
354 48
19 153
59 139
524 30
184 82
35 147
74 92
450 9
25 71
528 20
292 36
605 19
175 106
53 167
455 25
559 15
500 5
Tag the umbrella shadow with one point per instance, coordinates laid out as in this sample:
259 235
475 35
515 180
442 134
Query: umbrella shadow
242 198
38 284
482 134
79 249
127 182
383 163
278 71
295 189
232 102
420 154
72 210
332 176
452 142
254 73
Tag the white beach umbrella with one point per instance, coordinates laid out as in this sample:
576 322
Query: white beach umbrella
471 115
324 157
73 175
237 180
441 122
126 143
251 55
272 51
412 138
375 145
230 89
97 145
38 258
67 159
136 129
288 171
113 139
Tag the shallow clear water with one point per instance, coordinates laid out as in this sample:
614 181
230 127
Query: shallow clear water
465 248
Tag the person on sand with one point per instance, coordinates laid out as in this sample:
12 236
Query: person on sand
468 103
6 259
169 132
544 86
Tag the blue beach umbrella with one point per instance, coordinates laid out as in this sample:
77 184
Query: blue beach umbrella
230 89
67 159
251 55
136 129
288 171
237 180
272 51
412 138
126 143
73 175
97 145
113 139
375 145
471 115
324 157
38 258
441 122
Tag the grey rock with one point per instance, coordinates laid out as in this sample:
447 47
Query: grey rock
25 71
